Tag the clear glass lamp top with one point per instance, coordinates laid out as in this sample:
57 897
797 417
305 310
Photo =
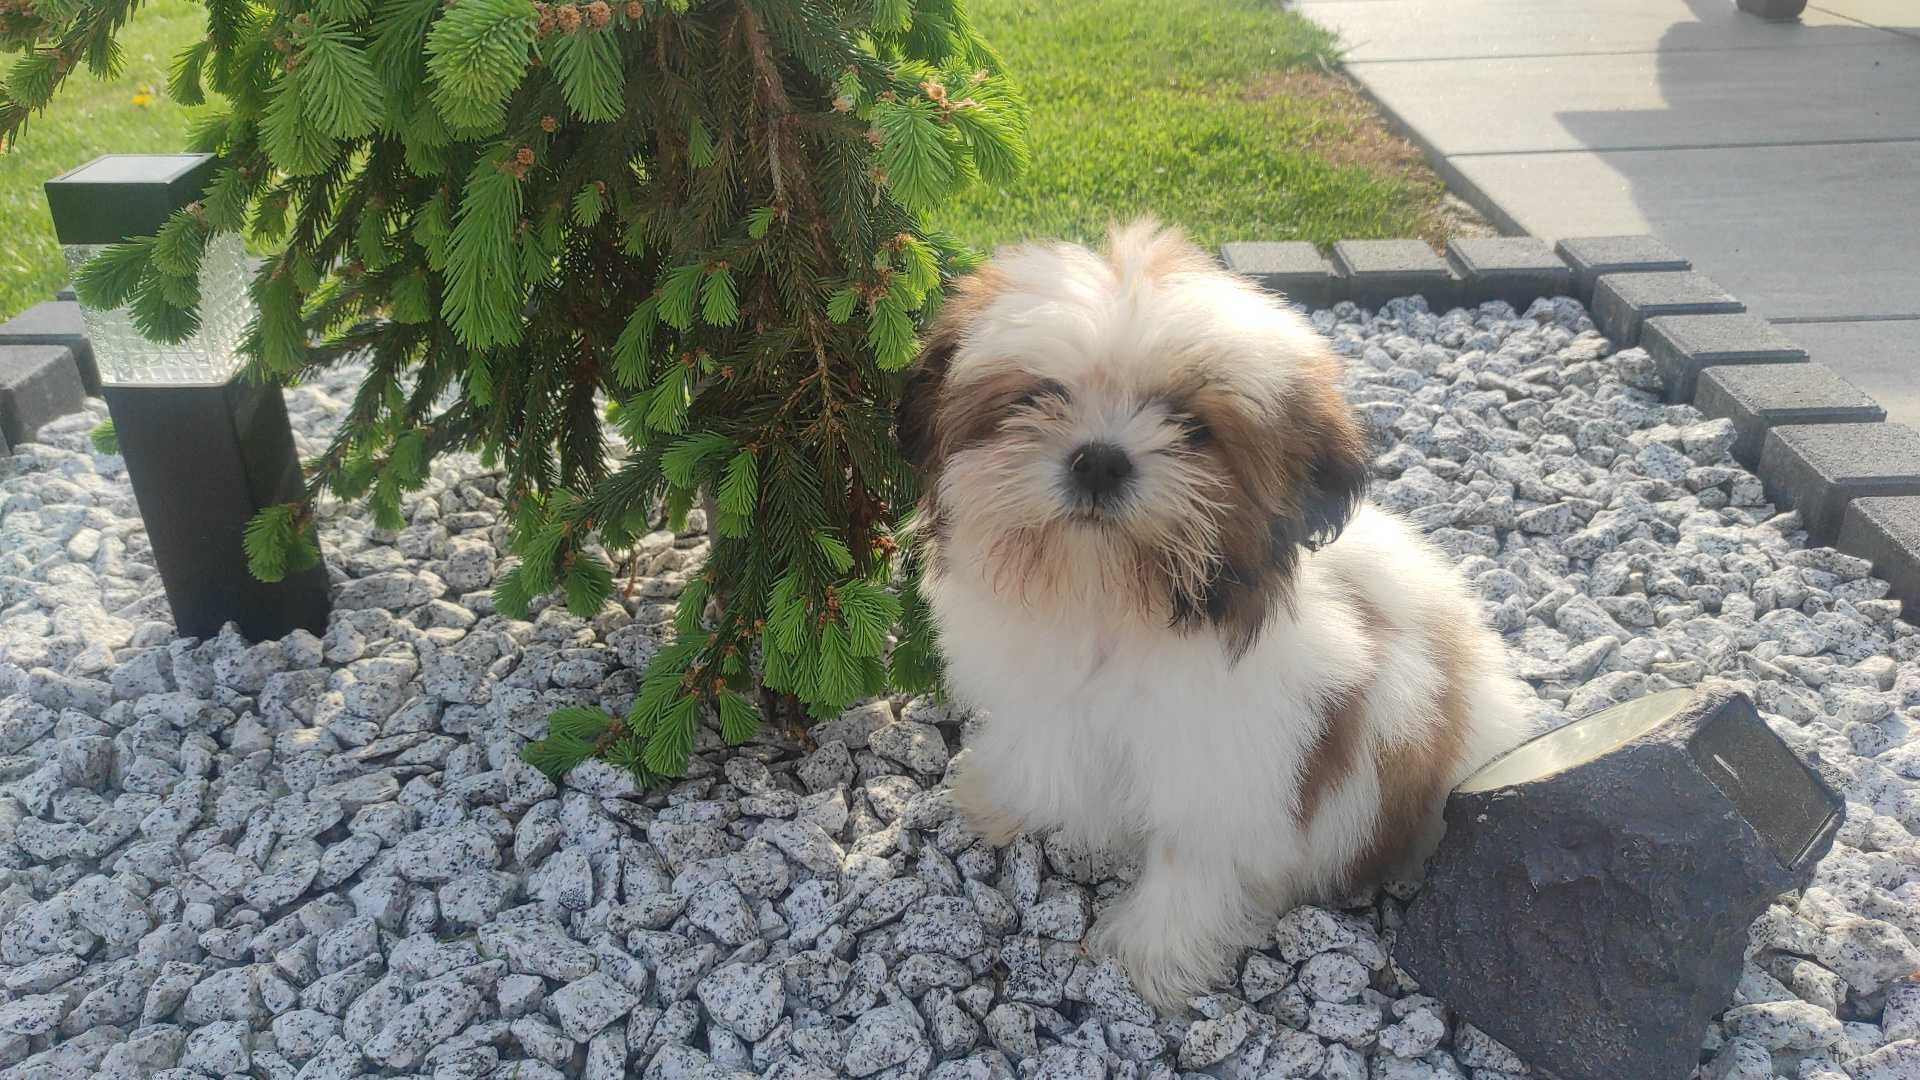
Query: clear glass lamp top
208 358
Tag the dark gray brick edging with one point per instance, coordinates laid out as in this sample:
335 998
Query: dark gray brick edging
1622 303
1592 256
38 383
1818 443
1293 268
1885 530
1376 271
1819 468
1760 397
55 322
1517 269
1682 346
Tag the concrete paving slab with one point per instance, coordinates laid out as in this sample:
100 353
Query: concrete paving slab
1900 16
1437 29
1882 358
1817 232
1655 100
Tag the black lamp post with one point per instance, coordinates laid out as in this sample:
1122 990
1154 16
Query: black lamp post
204 449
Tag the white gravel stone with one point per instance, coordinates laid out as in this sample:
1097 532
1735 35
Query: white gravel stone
746 999
1332 976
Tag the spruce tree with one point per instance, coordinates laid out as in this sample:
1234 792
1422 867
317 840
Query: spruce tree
636 253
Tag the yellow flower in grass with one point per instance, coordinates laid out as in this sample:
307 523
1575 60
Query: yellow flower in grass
144 97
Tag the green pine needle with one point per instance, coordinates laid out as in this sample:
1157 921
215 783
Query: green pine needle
588 203
841 304
274 542
477 54
719 306
920 169
631 351
588 583
109 279
759 221
183 78
675 298
893 16
104 438
740 488
511 595
591 78
289 135
668 401
739 720
670 740
890 332
340 95
922 268
411 301
482 297
699 144
835 550
680 462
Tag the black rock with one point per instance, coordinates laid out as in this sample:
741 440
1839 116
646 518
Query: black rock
1590 902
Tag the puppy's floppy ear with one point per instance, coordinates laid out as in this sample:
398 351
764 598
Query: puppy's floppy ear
1339 459
914 421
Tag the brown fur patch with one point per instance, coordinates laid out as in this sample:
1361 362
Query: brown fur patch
1298 471
918 421
1415 776
1336 750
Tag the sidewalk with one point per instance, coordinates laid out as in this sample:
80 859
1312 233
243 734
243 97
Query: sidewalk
1784 160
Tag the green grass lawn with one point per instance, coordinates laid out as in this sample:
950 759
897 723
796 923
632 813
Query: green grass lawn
1222 116
90 117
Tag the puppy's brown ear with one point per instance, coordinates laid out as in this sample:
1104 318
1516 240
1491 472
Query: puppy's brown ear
915 419
1339 461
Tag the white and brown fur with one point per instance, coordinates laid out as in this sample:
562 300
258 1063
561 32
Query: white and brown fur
1243 672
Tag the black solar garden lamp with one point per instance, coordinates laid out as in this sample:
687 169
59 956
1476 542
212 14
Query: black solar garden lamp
205 449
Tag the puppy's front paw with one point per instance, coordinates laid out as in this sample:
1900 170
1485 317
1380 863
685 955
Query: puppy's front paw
987 818
1166 964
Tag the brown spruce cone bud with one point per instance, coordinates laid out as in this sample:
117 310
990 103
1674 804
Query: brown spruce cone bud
635 10
549 124
567 17
599 14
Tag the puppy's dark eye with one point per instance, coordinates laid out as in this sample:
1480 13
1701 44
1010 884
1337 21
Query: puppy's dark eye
1197 431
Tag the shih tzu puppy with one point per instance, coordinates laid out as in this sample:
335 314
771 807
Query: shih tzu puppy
1150 560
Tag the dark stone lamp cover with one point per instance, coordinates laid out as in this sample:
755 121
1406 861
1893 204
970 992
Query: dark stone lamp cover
1590 903
205 448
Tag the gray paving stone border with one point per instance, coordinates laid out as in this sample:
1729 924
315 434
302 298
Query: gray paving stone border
38 384
1683 346
1856 485
1885 530
1760 397
1622 303
55 322
1512 268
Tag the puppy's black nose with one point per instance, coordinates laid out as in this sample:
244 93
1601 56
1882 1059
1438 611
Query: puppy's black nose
1100 470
